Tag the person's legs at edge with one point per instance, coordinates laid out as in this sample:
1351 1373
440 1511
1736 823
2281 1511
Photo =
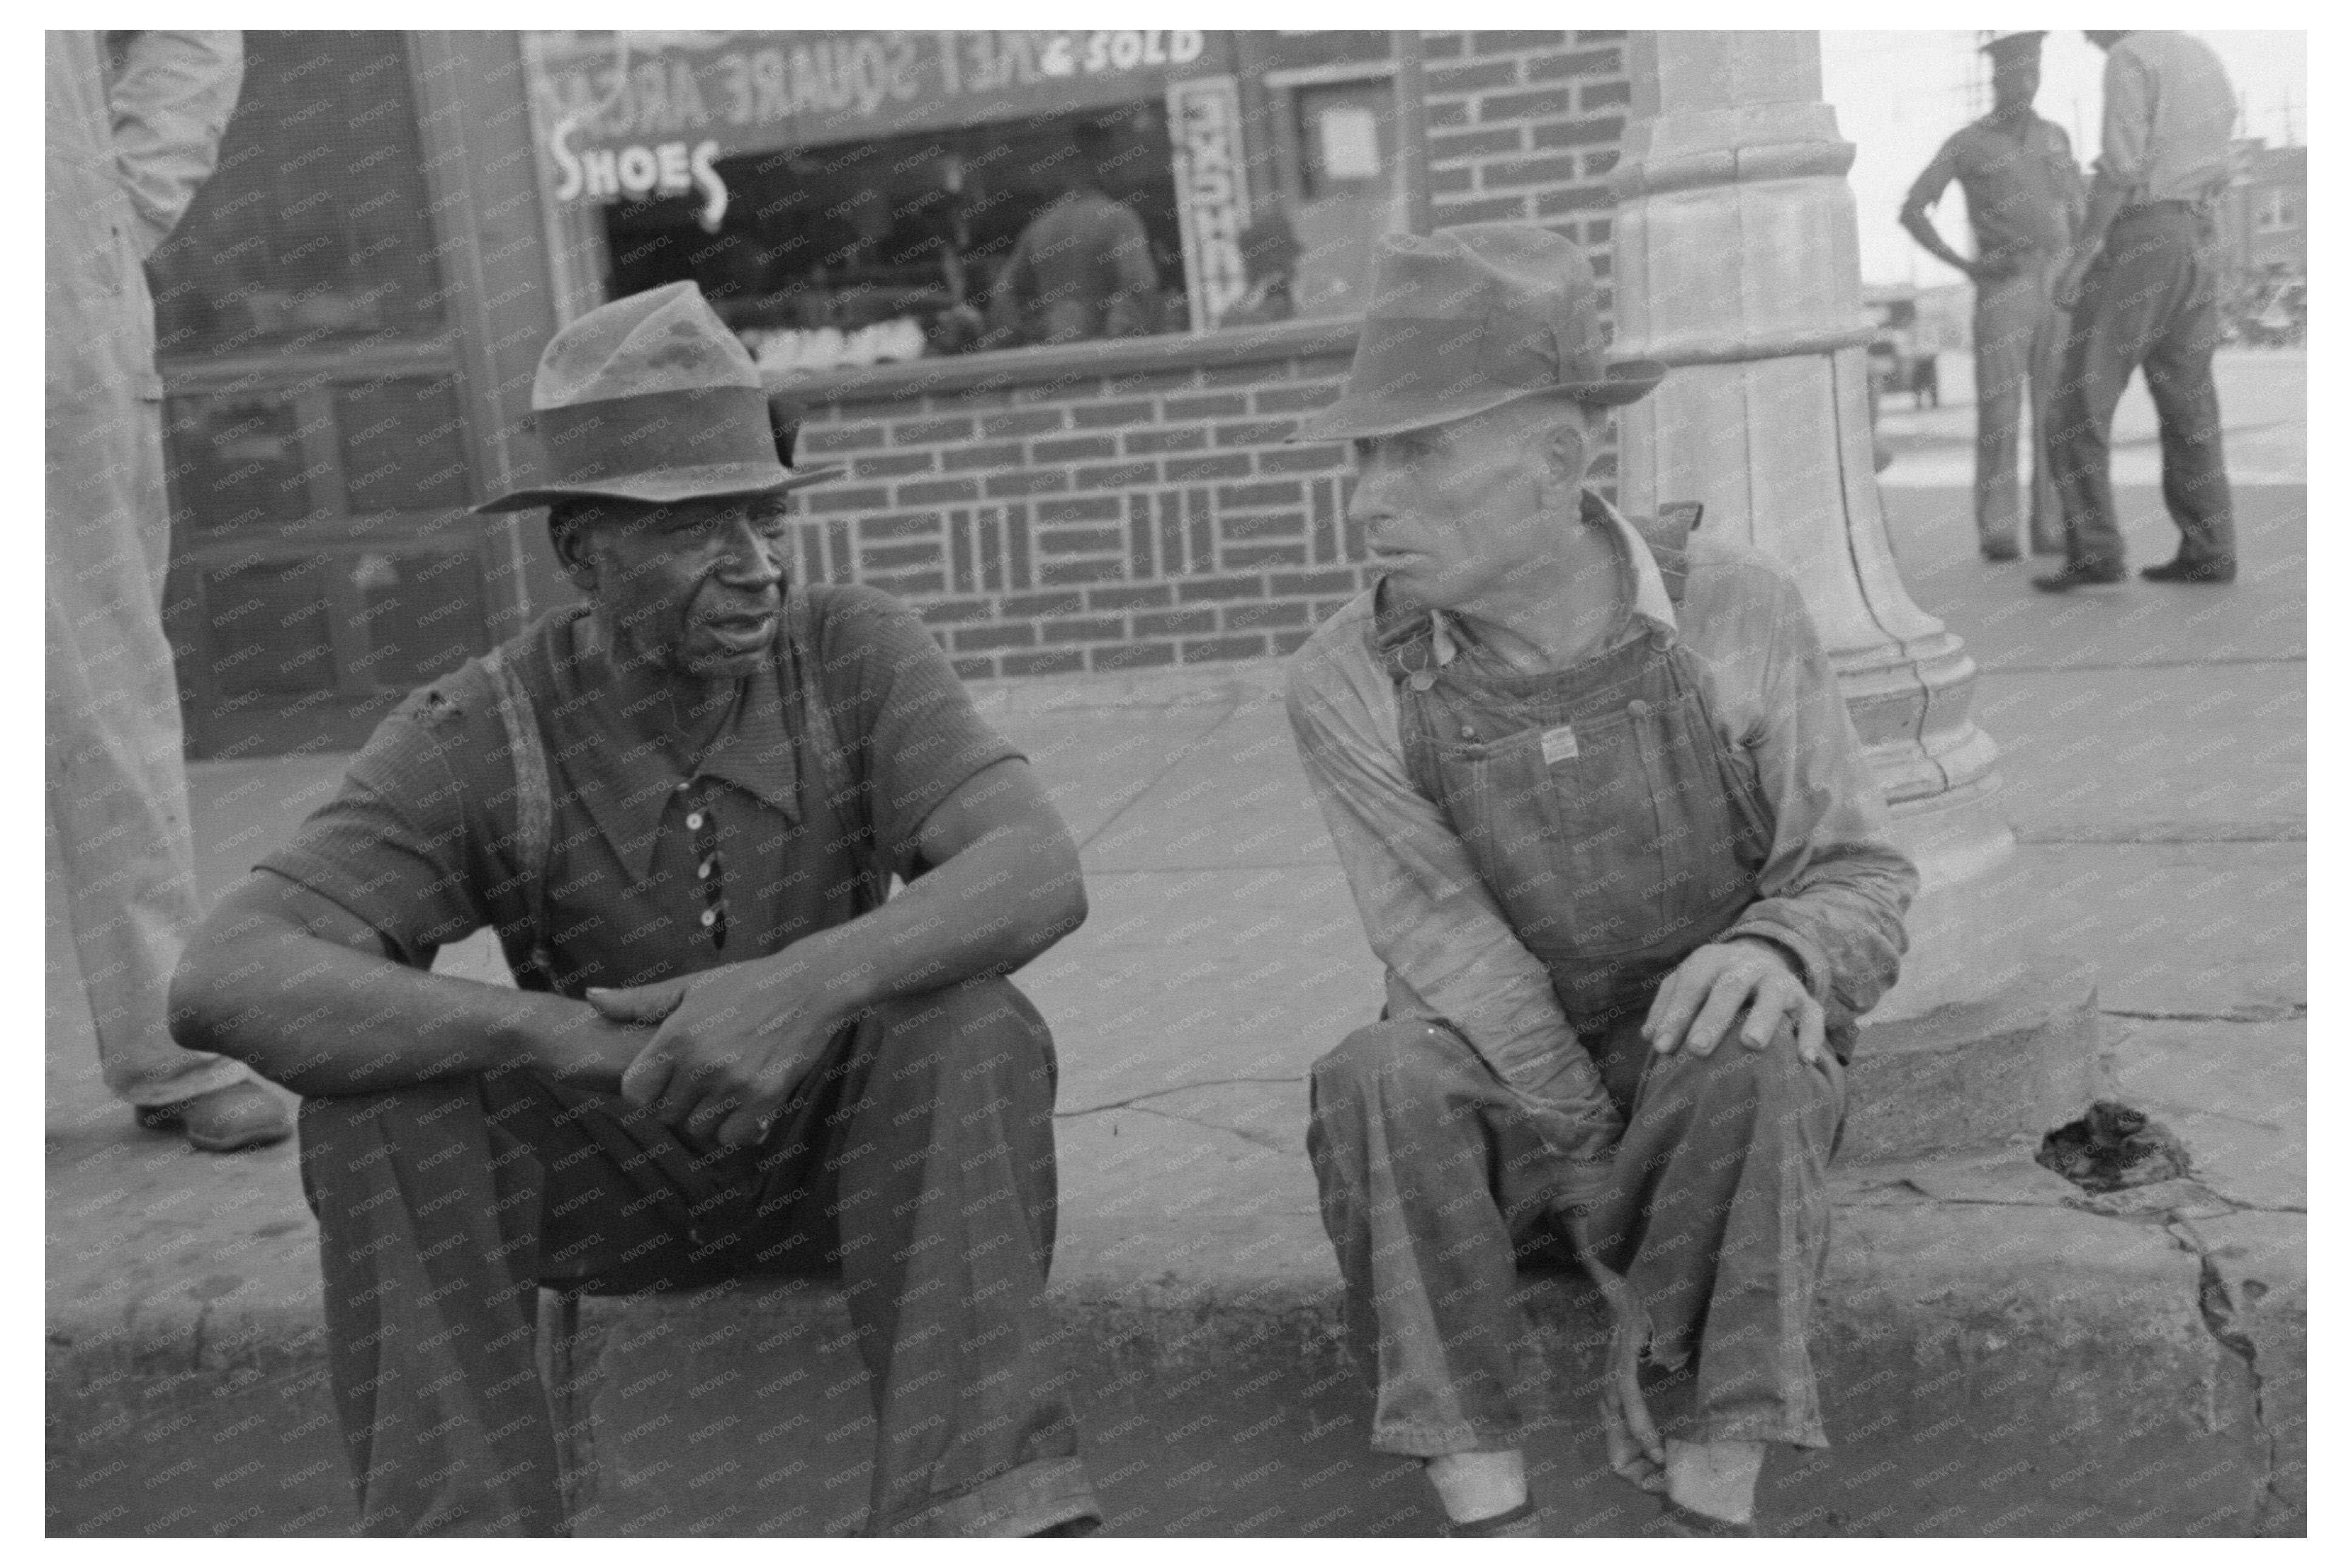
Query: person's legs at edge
2180 371
117 789
938 1139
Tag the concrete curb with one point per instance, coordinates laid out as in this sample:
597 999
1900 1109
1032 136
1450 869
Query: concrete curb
2020 1365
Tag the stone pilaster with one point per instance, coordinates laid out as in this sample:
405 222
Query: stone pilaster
1737 263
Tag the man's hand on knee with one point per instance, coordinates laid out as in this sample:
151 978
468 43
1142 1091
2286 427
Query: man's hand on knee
1709 991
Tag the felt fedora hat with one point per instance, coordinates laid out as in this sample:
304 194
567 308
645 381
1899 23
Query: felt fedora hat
1469 318
2004 40
651 398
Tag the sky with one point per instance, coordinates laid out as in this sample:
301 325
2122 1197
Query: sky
1898 94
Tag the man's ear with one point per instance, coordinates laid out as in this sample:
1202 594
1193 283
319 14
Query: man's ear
1569 447
570 540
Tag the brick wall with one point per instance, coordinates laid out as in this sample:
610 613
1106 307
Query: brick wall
1125 509
1524 127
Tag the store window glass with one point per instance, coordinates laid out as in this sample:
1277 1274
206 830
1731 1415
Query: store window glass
1052 229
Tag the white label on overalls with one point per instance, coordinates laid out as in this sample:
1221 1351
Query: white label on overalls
1557 744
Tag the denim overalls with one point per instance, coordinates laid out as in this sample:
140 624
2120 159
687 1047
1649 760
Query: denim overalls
1619 831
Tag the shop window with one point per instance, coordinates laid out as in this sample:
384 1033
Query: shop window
1061 228
306 235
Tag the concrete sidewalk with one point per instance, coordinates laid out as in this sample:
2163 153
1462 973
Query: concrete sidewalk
2150 1351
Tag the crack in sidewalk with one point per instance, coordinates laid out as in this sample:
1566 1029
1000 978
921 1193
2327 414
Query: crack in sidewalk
2250 1013
1137 1099
2220 1310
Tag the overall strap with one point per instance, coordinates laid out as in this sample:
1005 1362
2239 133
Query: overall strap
834 783
534 813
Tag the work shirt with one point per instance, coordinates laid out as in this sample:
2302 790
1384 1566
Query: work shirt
1833 890
1081 269
2166 118
421 841
2024 192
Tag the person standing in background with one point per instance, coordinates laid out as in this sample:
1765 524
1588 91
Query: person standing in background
1083 267
2025 197
128 148
2144 284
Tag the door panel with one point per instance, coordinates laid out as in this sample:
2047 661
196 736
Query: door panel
316 432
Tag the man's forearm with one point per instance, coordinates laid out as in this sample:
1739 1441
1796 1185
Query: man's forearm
985 912
1922 230
321 1018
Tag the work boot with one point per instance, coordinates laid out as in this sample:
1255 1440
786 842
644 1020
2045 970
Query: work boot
242 1116
2081 575
2221 569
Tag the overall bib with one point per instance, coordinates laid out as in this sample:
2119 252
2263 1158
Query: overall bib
1619 833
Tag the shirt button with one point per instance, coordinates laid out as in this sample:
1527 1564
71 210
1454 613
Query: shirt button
1638 708
693 819
685 784
704 870
710 917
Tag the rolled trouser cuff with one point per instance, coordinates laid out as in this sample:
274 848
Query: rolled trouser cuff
1021 1501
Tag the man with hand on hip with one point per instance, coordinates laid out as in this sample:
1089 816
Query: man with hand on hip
1609 828
2025 197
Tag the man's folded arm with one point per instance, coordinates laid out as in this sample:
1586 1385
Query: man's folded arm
1834 888
1430 920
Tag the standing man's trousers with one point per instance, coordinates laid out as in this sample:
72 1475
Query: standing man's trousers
2017 326
1433 1187
2151 302
918 1162
117 788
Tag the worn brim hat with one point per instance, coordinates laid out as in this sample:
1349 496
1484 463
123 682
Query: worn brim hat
651 398
1469 318
2016 38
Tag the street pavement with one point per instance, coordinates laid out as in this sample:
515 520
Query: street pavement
2153 741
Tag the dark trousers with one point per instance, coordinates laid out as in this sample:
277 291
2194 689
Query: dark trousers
1435 1188
917 1162
2151 303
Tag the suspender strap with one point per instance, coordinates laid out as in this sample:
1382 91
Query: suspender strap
821 730
534 814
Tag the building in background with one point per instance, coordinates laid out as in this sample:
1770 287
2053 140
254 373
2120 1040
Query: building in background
352 314
2262 219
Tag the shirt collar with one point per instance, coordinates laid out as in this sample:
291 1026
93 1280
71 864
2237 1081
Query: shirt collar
627 784
1653 607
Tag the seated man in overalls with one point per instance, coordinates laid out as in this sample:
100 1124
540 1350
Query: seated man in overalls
1608 825
679 804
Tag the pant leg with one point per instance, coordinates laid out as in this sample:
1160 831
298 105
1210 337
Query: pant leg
441 1208
1427 1173
2180 371
2118 321
1718 1213
117 789
2004 328
2046 521
928 1156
